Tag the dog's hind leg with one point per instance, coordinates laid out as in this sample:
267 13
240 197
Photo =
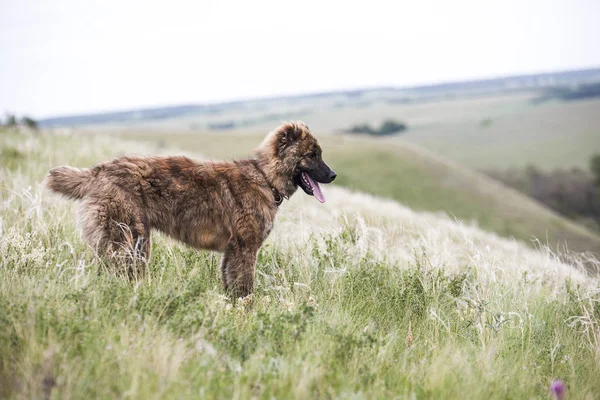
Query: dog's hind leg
143 245
117 230
138 257
237 268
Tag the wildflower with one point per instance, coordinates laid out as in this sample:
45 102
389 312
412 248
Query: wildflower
557 389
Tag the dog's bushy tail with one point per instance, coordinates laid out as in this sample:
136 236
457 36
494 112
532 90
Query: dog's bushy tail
69 181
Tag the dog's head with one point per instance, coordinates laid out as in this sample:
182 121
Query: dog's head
299 157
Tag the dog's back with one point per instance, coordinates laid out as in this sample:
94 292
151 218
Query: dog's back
194 202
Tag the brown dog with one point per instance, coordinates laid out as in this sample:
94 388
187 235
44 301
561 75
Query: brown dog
224 206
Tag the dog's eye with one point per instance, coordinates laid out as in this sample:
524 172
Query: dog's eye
312 155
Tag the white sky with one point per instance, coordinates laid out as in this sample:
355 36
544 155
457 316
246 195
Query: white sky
74 56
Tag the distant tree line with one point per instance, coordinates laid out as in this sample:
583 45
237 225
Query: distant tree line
573 192
388 127
11 120
568 93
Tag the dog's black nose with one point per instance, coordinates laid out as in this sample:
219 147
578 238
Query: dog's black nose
332 175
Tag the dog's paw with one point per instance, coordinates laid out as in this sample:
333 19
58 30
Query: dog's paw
246 301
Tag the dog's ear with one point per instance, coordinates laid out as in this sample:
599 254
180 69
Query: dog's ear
278 141
288 133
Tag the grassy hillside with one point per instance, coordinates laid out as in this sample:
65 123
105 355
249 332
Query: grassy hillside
418 179
356 298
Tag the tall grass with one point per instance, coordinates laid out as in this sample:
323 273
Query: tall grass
357 298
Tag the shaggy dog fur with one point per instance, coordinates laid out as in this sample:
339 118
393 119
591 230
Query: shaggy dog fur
223 206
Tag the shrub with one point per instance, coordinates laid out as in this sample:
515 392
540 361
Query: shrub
217 126
388 127
11 120
29 122
574 192
365 128
595 168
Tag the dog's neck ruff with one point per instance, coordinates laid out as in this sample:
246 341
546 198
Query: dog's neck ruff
277 196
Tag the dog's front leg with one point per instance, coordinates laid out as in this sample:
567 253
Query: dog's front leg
237 268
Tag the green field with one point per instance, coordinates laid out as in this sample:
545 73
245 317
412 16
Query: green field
514 133
356 298
396 169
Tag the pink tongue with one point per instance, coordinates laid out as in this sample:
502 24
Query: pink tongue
316 189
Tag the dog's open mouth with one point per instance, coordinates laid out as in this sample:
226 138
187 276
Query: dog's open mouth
311 187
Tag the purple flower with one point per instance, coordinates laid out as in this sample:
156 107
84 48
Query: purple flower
558 389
